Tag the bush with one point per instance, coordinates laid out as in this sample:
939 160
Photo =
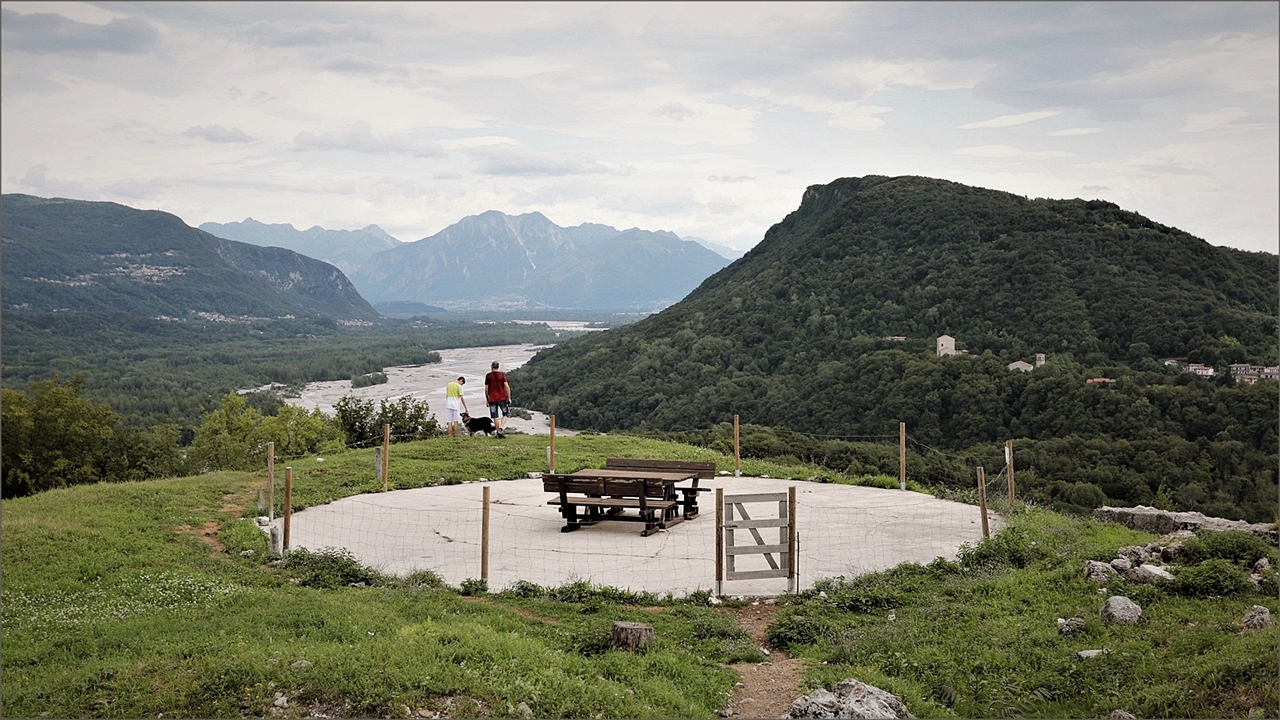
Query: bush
474 586
1236 546
377 378
1211 578
798 628
1008 548
424 579
328 569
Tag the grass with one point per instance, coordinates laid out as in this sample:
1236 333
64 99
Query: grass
979 638
134 599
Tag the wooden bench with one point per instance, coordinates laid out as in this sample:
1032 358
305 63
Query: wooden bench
698 469
606 498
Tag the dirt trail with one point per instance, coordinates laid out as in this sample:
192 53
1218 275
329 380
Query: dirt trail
767 689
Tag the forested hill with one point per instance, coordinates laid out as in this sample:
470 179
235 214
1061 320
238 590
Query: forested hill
78 256
794 334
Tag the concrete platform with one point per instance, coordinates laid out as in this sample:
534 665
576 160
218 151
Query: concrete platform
842 530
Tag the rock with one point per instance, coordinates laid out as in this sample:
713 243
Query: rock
263 521
1258 618
1121 715
1262 565
1148 574
1120 564
246 554
281 701
523 710
1087 654
851 699
301 665
1134 554
1098 572
1070 628
1163 522
1120 609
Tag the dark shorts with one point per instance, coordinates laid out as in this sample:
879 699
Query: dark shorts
501 405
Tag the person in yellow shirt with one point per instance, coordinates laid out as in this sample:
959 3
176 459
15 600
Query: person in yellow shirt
454 406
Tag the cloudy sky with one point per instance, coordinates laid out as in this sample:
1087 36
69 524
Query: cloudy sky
705 119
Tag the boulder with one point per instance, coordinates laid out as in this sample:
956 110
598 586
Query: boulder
1262 565
1258 618
1122 715
1148 574
1122 610
1098 572
1121 564
851 699
1134 554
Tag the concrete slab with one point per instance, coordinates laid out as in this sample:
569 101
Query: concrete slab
842 530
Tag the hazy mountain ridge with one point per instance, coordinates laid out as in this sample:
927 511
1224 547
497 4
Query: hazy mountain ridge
344 249
80 256
529 261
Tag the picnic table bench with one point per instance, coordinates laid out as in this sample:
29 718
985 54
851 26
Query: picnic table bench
591 495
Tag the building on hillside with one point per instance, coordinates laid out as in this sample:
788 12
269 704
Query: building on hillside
1245 373
1203 371
896 338
946 346
1099 381
1269 373
1169 362
1040 357
1020 366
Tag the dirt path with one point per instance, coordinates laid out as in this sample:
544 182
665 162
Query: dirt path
767 689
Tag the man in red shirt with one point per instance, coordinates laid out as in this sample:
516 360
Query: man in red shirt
498 392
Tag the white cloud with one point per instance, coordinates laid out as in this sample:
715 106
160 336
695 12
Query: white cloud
1072 132
1214 120
217 134
359 137
1005 121
1009 151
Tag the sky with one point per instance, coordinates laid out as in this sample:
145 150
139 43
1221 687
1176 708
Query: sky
708 120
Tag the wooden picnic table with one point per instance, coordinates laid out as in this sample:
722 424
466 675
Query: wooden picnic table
607 493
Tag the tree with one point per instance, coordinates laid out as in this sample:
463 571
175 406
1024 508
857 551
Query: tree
54 438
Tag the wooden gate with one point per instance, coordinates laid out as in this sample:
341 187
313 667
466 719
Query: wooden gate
781 557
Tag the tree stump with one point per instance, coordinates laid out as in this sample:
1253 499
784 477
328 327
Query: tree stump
631 636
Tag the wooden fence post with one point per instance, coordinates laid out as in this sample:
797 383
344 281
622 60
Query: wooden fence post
271 479
982 502
719 541
288 503
484 535
551 449
1008 461
902 456
793 577
737 450
386 454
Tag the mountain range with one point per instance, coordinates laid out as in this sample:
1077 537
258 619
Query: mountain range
344 249
499 261
80 256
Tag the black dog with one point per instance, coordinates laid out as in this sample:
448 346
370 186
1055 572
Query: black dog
478 424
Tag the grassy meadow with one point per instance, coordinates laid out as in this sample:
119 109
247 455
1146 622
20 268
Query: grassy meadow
137 599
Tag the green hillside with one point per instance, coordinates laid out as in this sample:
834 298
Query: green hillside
77 256
795 333
827 328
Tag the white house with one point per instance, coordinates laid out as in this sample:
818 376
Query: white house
1020 365
946 345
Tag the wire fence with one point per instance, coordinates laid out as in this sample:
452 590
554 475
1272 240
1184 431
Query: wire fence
517 536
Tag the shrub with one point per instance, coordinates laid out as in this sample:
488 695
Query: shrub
328 569
798 628
1211 578
376 378
1010 547
424 579
474 586
1237 546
